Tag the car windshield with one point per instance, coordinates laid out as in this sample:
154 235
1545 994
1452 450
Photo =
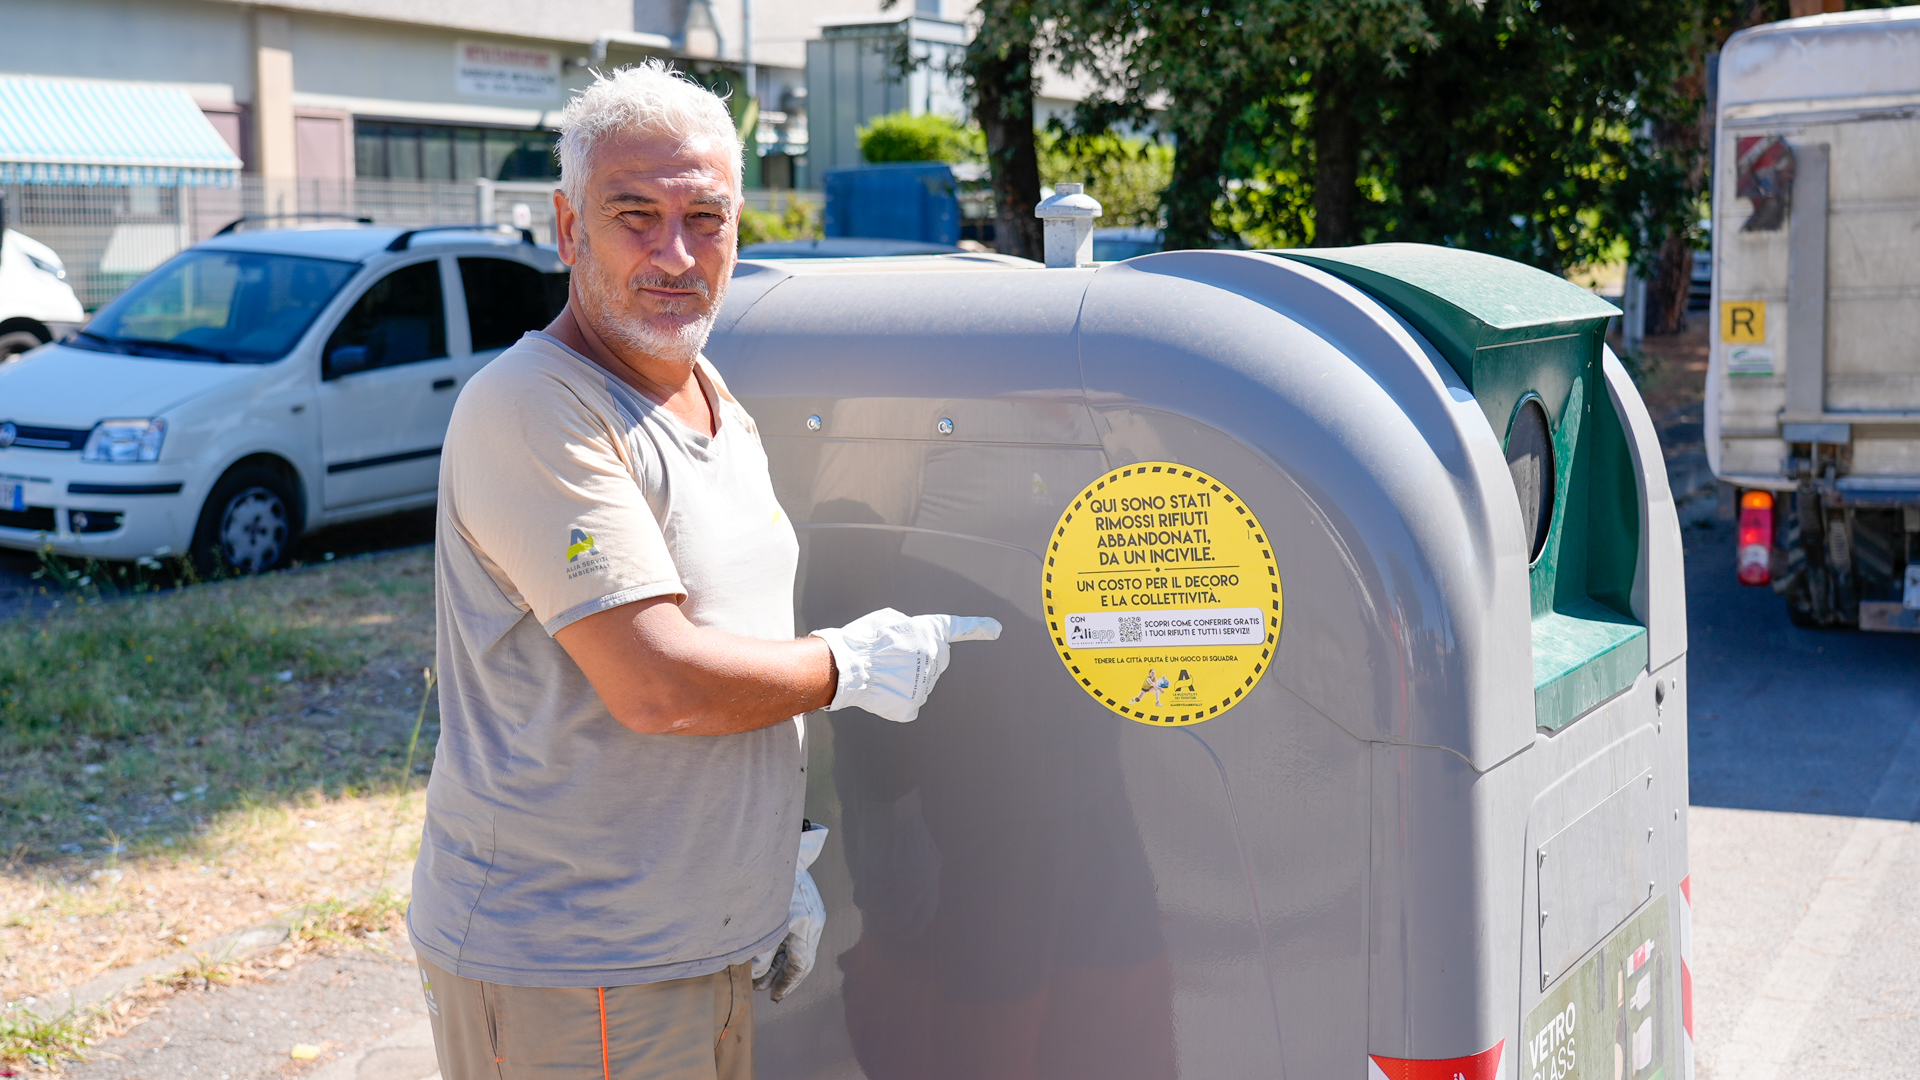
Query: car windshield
238 307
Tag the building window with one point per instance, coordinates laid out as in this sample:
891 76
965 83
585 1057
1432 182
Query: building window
395 150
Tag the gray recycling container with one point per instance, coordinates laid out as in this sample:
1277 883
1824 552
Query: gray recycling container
1338 728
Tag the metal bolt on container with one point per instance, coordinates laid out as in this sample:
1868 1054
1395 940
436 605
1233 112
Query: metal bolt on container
1337 586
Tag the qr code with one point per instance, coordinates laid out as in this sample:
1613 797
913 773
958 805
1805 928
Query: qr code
1129 628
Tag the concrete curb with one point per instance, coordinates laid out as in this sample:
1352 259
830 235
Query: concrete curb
219 949
233 945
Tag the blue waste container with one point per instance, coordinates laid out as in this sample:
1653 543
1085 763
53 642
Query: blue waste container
911 201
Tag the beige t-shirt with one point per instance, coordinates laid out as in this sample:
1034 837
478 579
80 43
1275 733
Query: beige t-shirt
561 848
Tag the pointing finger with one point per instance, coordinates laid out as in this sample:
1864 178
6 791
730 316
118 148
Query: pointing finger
968 628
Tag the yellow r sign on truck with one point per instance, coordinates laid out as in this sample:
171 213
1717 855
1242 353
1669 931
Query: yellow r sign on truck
1743 322
1162 594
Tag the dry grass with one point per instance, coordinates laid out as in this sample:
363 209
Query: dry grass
65 924
131 722
202 792
327 927
324 927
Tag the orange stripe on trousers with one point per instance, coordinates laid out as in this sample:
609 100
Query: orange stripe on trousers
606 1061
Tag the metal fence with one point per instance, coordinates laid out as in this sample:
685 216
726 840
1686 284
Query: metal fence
109 236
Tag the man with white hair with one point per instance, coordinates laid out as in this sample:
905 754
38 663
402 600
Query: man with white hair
614 819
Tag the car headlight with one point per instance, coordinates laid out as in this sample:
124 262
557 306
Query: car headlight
125 441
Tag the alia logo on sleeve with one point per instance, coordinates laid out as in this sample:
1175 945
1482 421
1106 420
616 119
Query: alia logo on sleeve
583 555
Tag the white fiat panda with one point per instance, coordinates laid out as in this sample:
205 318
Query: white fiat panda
259 385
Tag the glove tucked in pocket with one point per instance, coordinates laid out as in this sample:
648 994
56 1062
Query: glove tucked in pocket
782 969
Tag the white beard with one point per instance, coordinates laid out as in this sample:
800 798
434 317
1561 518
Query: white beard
608 310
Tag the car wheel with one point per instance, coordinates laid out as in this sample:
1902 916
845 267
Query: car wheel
15 342
248 524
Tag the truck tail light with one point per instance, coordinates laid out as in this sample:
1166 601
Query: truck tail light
1756 538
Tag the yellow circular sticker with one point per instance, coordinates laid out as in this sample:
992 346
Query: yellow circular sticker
1162 594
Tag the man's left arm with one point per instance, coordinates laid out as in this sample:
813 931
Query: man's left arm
659 674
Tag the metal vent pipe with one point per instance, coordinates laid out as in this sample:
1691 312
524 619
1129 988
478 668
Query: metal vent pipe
1068 215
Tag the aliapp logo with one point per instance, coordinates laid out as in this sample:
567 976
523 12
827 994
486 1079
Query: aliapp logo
580 543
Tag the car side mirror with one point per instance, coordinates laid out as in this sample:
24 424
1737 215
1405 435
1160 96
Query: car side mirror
346 360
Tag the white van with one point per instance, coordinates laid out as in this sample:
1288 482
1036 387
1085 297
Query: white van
1813 386
36 303
260 385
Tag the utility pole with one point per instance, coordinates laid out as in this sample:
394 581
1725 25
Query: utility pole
751 76
746 49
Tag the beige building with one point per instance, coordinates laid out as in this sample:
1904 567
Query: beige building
406 112
445 91
410 112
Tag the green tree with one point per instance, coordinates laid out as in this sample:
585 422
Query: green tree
1522 134
1190 68
1557 132
1127 175
1269 203
999 68
1552 131
1201 70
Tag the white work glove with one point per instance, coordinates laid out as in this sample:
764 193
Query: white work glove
888 661
782 967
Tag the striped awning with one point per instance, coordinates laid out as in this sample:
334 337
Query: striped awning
64 131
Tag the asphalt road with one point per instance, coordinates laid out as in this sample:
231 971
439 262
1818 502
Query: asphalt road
1805 873
1805 748
361 1013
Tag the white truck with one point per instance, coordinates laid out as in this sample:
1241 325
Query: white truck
36 303
1813 387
